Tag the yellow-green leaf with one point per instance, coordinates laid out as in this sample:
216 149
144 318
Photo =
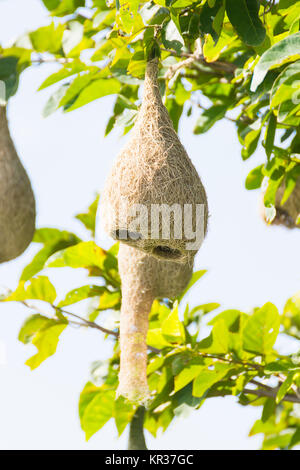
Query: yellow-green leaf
261 330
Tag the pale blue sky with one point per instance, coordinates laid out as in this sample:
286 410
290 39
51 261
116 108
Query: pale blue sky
68 158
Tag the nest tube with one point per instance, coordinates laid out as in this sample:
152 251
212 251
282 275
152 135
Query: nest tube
144 278
133 334
137 299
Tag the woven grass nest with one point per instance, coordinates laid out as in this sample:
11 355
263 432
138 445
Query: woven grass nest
17 203
153 169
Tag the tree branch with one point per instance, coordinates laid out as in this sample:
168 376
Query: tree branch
222 67
84 321
232 361
271 393
136 431
137 422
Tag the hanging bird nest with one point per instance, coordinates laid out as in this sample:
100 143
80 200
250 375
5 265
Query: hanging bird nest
152 195
17 203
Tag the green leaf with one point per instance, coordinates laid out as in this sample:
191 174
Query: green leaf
103 18
8 67
290 71
286 90
291 179
172 328
171 38
79 83
270 135
137 65
209 117
208 16
43 333
195 313
195 278
268 409
31 326
89 218
274 182
86 396
156 339
66 71
47 235
127 14
252 135
218 341
51 4
53 102
261 330
127 118
123 414
82 293
48 38
67 7
282 365
54 240
295 438
89 256
97 89
95 409
110 300
72 36
244 17
175 111
8 75
279 441
39 288
207 378
286 49
82 255
291 312
188 374
255 178
286 386
184 402
230 317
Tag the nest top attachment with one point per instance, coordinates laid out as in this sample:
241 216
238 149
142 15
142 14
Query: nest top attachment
153 199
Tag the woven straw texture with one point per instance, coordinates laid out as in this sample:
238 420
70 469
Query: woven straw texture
153 168
144 278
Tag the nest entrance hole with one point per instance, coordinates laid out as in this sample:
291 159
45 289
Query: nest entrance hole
165 252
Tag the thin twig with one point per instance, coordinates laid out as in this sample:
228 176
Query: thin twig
231 361
55 60
260 384
271 394
218 65
84 321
